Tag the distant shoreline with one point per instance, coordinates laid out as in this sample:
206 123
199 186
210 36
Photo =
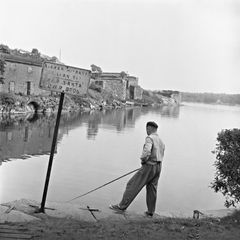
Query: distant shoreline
214 104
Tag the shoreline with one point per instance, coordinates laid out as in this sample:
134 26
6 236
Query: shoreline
74 222
24 209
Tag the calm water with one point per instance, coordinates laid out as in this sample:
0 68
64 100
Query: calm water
94 148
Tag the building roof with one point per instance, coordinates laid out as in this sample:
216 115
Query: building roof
22 59
132 77
110 74
116 76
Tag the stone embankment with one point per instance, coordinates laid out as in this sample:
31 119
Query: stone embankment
95 100
16 104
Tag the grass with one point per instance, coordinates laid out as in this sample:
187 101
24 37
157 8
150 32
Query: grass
227 228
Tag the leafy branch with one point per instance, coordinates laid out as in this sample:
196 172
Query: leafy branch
227 176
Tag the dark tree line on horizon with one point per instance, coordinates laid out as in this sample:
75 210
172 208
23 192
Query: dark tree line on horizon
219 98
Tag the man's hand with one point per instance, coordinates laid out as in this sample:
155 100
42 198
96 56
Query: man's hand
147 148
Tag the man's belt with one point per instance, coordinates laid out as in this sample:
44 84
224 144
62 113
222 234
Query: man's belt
153 162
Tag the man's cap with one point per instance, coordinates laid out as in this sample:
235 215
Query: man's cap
152 124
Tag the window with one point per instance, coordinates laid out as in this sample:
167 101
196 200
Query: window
28 88
29 70
11 86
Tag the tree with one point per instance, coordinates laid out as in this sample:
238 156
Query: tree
95 68
123 74
96 71
35 52
2 68
227 176
4 49
7 100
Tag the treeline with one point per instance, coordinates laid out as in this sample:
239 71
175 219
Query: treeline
219 98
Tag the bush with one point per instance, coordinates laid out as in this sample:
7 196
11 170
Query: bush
95 87
227 177
146 93
7 99
2 69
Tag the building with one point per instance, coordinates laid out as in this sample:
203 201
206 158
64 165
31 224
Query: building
22 71
115 83
21 75
134 91
120 84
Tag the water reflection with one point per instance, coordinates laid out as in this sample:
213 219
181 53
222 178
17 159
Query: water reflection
24 136
164 111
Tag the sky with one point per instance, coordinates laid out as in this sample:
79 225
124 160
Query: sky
184 45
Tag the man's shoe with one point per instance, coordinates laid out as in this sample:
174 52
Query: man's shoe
116 208
148 214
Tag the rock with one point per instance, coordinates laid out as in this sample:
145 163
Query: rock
11 215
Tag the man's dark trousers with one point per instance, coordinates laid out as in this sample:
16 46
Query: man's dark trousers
148 176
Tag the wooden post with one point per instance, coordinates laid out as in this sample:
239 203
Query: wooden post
52 153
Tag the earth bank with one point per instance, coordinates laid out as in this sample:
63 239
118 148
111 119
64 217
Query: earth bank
50 228
69 221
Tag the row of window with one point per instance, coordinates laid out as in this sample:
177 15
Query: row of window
11 87
68 69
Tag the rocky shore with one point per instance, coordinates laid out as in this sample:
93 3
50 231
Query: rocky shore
43 104
95 100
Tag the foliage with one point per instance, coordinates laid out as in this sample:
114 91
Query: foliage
146 93
147 97
95 68
95 87
7 99
156 96
123 74
2 68
221 98
166 93
4 49
227 177
96 71
35 52
232 218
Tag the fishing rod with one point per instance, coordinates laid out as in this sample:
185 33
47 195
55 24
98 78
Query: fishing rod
103 185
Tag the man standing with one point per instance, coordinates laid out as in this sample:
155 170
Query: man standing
148 174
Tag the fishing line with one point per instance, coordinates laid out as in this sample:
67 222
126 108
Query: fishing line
103 185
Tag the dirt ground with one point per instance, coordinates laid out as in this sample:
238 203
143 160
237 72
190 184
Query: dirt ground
50 228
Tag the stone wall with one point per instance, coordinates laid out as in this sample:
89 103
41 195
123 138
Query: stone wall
132 81
134 91
138 92
122 88
116 87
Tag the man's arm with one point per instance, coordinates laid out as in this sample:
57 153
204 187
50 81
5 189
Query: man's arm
147 148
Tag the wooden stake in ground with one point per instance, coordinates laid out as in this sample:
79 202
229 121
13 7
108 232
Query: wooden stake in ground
52 152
